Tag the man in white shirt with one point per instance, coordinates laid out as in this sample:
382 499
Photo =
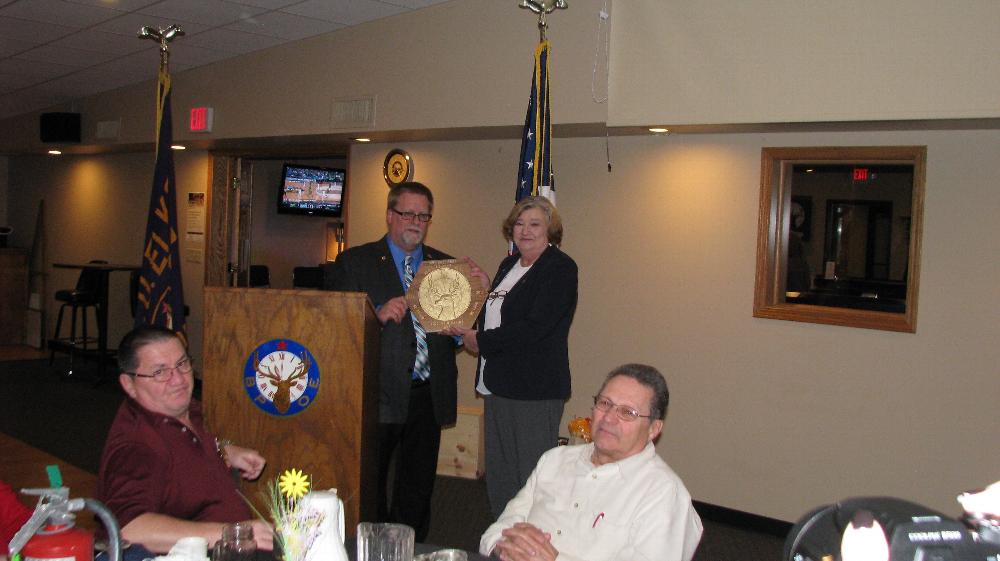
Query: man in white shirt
614 499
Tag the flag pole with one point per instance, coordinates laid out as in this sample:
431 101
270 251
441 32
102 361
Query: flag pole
159 291
535 176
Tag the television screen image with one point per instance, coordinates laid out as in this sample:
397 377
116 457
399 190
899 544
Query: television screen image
311 190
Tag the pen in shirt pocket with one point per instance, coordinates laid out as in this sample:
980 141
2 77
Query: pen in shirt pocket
596 520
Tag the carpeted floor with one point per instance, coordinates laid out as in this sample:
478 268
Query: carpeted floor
69 418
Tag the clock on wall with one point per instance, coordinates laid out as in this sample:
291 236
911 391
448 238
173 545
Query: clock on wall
397 168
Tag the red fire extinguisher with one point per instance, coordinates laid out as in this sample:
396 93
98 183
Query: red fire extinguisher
58 541
50 534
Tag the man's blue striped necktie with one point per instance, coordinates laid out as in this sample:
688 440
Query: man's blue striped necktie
421 368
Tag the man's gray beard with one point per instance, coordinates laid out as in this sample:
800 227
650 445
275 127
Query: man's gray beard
412 238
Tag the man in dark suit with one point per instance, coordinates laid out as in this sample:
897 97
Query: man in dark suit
417 379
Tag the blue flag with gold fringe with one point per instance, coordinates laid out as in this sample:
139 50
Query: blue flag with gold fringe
160 294
534 172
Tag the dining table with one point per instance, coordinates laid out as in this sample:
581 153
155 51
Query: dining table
25 467
420 551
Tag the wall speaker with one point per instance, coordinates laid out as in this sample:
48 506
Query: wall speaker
60 127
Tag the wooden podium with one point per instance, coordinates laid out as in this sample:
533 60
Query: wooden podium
328 342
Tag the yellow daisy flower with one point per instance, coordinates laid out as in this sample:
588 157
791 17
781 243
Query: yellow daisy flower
293 484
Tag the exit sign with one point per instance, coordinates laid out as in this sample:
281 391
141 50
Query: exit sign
201 119
861 174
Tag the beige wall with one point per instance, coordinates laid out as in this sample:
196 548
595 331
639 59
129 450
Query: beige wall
763 61
768 416
96 208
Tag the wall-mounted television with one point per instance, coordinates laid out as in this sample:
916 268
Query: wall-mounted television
311 190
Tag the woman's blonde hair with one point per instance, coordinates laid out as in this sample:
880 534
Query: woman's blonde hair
555 229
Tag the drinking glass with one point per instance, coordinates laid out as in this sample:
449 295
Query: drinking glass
384 542
237 543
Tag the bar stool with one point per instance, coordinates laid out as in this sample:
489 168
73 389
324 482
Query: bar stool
85 295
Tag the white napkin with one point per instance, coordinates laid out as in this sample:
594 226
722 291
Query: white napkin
187 549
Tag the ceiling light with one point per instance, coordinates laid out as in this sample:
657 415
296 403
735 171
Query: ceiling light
178 147
55 152
658 130
363 139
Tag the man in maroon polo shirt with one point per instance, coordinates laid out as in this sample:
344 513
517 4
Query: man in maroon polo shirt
162 473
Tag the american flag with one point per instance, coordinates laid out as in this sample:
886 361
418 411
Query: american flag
534 172
161 294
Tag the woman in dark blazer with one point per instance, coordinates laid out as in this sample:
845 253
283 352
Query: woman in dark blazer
522 340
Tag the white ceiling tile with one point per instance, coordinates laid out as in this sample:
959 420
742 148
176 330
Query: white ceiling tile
184 56
11 82
235 42
131 24
9 46
25 101
104 42
284 26
59 12
120 5
89 81
77 58
32 32
266 4
348 12
34 69
128 69
208 12
415 4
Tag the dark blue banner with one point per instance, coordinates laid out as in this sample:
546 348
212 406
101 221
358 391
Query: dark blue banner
161 294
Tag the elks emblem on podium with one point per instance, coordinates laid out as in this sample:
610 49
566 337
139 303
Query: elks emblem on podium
281 377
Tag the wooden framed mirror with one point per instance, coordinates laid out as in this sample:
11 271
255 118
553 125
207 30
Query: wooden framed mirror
838 236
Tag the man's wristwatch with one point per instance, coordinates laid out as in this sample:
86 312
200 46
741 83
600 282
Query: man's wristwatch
220 447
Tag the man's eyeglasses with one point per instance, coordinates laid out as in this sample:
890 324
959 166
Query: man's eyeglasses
497 294
624 412
409 216
163 374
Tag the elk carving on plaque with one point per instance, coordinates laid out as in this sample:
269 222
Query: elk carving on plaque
281 377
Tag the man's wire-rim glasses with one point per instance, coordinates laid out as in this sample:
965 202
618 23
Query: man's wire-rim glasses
624 412
409 216
161 375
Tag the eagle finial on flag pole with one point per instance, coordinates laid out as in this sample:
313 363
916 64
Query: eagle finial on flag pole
163 37
543 8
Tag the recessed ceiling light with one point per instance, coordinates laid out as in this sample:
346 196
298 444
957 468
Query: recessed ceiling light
55 152
363 139
178 147
658 130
